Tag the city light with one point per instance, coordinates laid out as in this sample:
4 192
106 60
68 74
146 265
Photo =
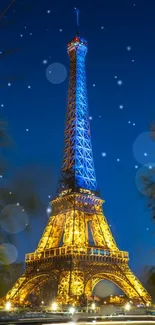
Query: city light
54 306
8 305
93 306
71 310
127 307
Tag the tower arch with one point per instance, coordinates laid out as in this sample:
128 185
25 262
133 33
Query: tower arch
22 289
123 280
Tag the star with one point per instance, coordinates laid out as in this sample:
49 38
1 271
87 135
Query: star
21 35
147 229
134 124
45 61
115 77
133 60
93 85
145 154
27 130
128 48
119 82
2 105
90 118
118 159
150 167
129 122
60 29
136 166
104 154
29 87
1 176
30 34
121 106
48 11
17 204
102 27
9 84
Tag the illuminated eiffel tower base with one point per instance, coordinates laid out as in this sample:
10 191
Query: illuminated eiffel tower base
77 249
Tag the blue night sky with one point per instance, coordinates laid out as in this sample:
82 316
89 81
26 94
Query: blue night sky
120 79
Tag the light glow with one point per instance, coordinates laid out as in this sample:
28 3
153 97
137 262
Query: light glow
127 307
72 310
54 306
8 305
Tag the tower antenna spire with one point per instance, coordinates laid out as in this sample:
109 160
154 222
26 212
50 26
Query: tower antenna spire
77 21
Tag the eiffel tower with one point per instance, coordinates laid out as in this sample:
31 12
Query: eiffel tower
77 248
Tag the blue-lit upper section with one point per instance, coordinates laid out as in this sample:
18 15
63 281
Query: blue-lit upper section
77 42
78 167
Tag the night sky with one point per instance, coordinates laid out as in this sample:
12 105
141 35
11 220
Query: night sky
120 79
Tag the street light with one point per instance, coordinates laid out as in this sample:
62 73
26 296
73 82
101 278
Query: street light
93 306
54 306
8 305
71 310
127 307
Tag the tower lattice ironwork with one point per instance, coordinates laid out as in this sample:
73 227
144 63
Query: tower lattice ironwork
77 248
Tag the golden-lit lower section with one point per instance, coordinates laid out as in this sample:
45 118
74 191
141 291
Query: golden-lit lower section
71 285
52 234
79 214
124 278
77 250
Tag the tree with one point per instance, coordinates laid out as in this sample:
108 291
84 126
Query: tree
8 276
48 292
149 190
149 280
148 180
83 300
26 187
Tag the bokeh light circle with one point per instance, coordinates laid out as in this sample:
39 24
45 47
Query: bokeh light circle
144 177
8 254
144 148
104 288
13 218
56 73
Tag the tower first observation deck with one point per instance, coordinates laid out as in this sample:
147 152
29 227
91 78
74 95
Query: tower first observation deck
77 248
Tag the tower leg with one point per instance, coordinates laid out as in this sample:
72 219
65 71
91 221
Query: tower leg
123 277
71 286
28 283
